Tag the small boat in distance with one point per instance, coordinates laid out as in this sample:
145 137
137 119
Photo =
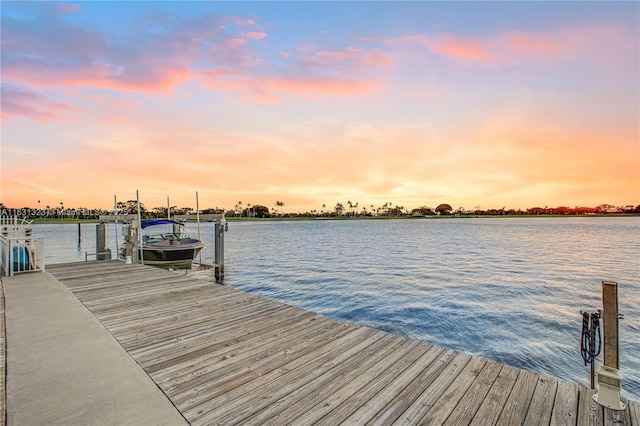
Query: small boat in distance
166 243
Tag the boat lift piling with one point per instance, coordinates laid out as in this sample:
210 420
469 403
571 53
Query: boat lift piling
130 233
102 252
219 252
609 375
219 227
139 230
198 222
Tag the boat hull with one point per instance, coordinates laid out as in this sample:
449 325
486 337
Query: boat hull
175 256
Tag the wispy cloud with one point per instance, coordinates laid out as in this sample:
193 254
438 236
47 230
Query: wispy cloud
512 48
17 101
270 89
47 50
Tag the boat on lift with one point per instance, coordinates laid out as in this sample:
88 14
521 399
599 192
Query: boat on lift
166 243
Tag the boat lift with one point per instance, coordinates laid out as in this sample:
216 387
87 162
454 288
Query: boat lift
133 244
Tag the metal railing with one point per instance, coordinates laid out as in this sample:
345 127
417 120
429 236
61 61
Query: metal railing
20 254
20 251
103 255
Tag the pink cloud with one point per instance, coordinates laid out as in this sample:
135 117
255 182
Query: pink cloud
18 102
235 42
527 44
318 86
317 72
345 57
48 50
69 8
268 89
242 21
118 119
520 47
463 49
255 35
566 43
420 39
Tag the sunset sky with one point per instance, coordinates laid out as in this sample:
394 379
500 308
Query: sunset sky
491 104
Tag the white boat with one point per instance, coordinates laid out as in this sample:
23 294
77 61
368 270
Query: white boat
167 243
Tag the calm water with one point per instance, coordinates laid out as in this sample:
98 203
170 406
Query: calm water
509 289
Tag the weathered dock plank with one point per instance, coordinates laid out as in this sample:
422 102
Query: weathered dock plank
454 393
288 409
634 411
427 397
301 380
382 391
242 364
590 413
565 409
497 397
517 405
424 372
541 402
359 386
226 357
474 396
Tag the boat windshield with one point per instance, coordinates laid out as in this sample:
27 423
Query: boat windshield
164 232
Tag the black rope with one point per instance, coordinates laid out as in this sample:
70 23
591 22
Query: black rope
590 336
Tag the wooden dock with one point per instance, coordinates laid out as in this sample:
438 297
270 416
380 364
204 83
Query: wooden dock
223 356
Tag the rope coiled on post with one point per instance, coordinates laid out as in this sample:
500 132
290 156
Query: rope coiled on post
590 336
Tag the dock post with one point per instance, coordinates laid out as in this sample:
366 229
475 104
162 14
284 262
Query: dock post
134 242
79 233
100 241
609 375
218 232
177 229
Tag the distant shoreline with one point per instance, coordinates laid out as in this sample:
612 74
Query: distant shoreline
309 218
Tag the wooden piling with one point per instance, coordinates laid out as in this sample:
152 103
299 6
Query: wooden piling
101 241
610 326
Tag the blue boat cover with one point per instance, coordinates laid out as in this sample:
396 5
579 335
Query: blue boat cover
152 222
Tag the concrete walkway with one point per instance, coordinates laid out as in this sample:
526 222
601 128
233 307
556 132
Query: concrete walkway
65 368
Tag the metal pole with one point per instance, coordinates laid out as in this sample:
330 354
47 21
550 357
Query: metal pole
115 225
219 251
216 255
139 228
168 209
222 230
11 257
592 338
198 222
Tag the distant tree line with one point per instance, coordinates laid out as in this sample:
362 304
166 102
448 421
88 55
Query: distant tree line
340 210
